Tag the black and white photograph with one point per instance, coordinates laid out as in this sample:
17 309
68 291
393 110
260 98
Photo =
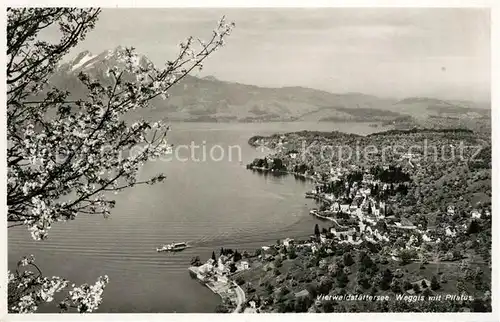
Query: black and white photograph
248 160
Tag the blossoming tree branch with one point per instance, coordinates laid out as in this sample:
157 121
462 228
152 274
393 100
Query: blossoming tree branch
62 153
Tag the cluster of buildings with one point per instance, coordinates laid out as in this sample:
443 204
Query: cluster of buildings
360 216
216 275
357 201
220 269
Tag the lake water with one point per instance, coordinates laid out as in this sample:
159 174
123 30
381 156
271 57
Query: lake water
210 204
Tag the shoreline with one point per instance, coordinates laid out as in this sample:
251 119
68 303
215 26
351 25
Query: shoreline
316 214
224 290
266 170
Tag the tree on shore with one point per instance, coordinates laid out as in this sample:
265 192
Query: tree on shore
385 282
407 285
237 256
316 230
222 308
396 286
473 227
348 260
434 283
65 155
213 257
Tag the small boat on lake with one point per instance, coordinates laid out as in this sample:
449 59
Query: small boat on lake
173 247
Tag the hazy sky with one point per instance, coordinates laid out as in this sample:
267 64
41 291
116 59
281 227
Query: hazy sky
387 52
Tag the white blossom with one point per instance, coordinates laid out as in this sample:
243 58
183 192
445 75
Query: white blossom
88 297
65 155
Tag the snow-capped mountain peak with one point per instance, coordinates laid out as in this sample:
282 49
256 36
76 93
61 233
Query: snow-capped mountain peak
81 60
86 61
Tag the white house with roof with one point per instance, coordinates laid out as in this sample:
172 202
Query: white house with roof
450 232
426 238
207 267
450 210
380 236
365 192
370 239
344 207
329 196
361 225
222 278
242 265
370 221
475 214
221 264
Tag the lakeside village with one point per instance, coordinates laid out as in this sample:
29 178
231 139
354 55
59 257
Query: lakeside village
393 230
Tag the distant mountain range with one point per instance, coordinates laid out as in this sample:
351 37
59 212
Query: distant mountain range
213 100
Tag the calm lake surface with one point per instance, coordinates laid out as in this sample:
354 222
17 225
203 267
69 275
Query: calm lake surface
210 204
